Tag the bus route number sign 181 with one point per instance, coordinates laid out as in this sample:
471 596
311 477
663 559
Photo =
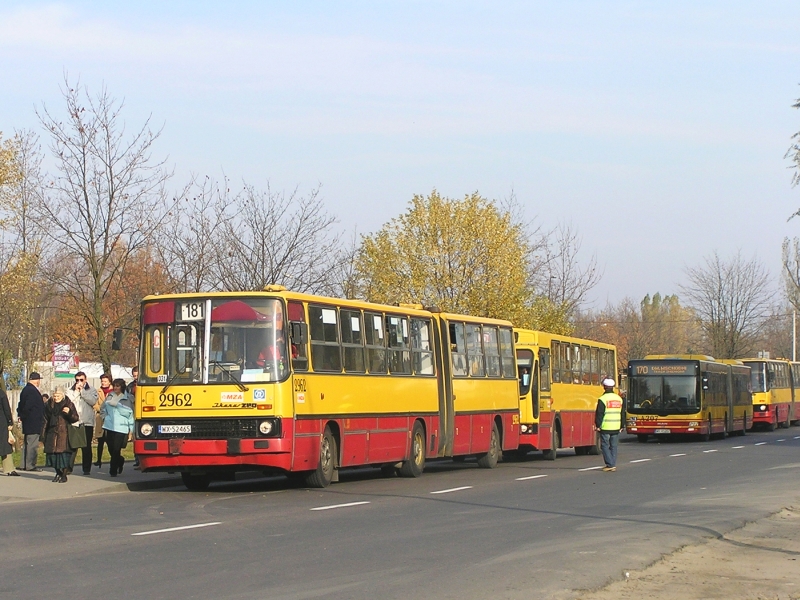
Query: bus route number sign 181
192 311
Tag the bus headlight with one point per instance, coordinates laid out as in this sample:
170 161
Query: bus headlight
523 428
265 427
762 408
146 429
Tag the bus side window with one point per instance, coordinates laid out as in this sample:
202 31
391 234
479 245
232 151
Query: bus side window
325 348
299 347
376 343
556 362
544 369
458 349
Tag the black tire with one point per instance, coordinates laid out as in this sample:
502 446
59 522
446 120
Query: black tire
488 460
582 450
323 475
774 425
195 483
707 436
415 464
552 454
641 438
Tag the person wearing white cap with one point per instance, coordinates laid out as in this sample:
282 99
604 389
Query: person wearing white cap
608 421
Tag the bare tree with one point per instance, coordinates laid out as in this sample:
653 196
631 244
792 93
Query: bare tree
190 242
733 299
561 276
276 238
793 153
105 200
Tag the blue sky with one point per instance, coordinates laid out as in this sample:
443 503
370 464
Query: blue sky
657 129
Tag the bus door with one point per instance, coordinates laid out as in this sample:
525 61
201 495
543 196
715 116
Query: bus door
729 427
526 373
447 418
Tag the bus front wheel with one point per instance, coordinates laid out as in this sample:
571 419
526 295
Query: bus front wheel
553 451
415 464
323 475
195 483
490 458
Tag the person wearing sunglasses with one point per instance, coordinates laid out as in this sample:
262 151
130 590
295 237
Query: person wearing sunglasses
86 402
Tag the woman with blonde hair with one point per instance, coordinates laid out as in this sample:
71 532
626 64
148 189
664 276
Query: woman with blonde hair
117 412
59 414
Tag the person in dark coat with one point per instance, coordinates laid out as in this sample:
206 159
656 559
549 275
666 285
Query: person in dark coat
59 414
6 425
31 412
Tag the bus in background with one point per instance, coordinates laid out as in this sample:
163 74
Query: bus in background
560 382
688 394
282 382
775 383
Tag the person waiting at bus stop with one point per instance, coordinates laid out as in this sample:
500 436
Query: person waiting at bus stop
608 421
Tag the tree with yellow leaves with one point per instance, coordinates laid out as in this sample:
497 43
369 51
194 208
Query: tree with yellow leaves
467 256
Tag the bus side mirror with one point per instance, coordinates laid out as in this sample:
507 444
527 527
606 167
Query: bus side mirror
299 332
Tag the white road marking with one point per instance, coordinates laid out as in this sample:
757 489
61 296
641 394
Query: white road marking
330 506
591 468
458 489
736 447
760 443
178 528
530 477
781 440
797 437
677 455
707 451
641 460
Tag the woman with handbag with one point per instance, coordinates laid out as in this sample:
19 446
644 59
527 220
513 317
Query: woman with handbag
59 414
117 412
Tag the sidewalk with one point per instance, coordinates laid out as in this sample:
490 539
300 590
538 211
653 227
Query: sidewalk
39 486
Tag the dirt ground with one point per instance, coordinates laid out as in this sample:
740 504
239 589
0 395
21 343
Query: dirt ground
760 561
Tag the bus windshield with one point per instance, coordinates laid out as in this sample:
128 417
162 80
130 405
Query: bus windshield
758 378
662 395
224 340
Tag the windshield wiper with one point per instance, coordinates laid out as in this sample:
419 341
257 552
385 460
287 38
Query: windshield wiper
172 379
242 387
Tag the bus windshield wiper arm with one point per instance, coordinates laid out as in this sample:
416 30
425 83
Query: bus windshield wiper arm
173 378
242 387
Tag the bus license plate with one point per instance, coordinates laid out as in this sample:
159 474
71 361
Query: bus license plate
174 429
657 431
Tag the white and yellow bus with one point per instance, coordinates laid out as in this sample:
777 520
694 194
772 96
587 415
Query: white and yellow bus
560 382
276 381
775 384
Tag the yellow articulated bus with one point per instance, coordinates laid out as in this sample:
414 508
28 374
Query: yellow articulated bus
560 382
276 381
775 383
688 394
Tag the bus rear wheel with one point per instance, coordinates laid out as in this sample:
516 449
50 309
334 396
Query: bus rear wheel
195 483
489 459
594 449
415 464
323 475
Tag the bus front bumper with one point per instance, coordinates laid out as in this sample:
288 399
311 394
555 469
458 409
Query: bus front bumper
238 454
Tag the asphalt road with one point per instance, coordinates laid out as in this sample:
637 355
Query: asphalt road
529 529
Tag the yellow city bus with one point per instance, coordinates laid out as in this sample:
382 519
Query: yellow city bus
276 381
774 383
688 394
560 382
